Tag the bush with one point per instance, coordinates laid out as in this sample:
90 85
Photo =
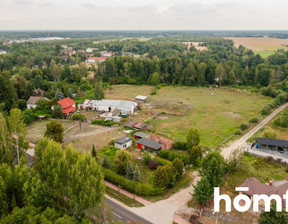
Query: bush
131 185
238 132
153 164
78 117
265 110
254 120
154 91
162 161
244 127
172 155
180 145
147 158
286 170
104 123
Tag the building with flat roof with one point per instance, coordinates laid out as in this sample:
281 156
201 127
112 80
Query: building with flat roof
123 143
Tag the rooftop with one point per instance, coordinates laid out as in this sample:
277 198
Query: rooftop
149 143
123 140
141 134
66 102
272 142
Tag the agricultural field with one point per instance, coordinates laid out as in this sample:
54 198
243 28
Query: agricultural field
216 113
261 45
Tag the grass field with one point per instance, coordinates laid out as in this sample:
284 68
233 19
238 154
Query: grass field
260 45
216 114
36 129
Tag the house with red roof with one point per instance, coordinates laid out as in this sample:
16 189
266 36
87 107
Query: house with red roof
68 106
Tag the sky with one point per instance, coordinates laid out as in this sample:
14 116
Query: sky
143 14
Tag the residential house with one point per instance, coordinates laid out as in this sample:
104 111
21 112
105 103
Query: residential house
123 143
95 59
38 92
80 51
107 53
32 101
90 50
141 99
68 106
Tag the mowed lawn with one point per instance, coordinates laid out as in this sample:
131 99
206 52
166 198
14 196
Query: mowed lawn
216 113
36 129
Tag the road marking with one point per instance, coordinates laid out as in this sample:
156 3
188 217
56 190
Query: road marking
117 215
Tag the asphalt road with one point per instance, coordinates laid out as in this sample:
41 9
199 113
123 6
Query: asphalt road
121 213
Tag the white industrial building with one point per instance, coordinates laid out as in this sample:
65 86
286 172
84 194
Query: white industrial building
125 107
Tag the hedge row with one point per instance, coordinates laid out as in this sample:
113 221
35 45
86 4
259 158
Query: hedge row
162 161
173 155
131 185
104 123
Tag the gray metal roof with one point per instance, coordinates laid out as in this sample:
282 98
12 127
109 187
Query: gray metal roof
141 134
272 142
149 143
121 104
140 97
123 140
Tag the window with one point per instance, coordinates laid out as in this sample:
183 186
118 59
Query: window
124 146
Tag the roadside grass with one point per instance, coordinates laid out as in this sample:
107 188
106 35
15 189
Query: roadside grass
122 198
36 129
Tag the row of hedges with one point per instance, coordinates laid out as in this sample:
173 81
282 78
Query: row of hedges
280 99
161 161
104 123
132 186
173 155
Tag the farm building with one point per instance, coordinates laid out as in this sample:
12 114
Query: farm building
67 105
123 143
272 146
32 101
146 144
139 135
124 107
135 125
165 142
141 99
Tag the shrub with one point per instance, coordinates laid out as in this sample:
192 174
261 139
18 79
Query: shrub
162 161
180 145
286 170
147 158
154 91
131 185
244 127
269 134
265 110
153 164
104 123
238 132
172 155
254 120
78 117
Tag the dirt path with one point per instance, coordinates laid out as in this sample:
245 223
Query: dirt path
240 144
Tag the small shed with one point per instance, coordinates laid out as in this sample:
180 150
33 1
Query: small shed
41 118
145 143
141 99
123 143
139 135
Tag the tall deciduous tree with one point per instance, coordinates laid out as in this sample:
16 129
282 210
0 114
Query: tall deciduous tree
54 131
203 191
192 138
178 167
18 128
8 94
220 74
196 155
99 91
6 153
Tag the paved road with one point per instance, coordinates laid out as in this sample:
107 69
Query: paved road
241 144
126 216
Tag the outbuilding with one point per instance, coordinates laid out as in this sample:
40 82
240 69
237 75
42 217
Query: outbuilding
146 144
139 135
141 99
123 143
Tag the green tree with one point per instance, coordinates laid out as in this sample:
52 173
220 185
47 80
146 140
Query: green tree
273 217
220 74
70 93
178 166
54 131
213 168
6 153
136 175
18 128
106 163
147 157
123 156
163 176
196 155
155 79
192 138
94 153
20 84
203 191
8 94
99 91
121 169
57 112
59 95
129 171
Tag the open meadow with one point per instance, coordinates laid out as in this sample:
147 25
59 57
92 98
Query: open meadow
261 45
216 113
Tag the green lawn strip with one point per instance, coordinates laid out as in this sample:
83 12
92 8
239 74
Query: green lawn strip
123 198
